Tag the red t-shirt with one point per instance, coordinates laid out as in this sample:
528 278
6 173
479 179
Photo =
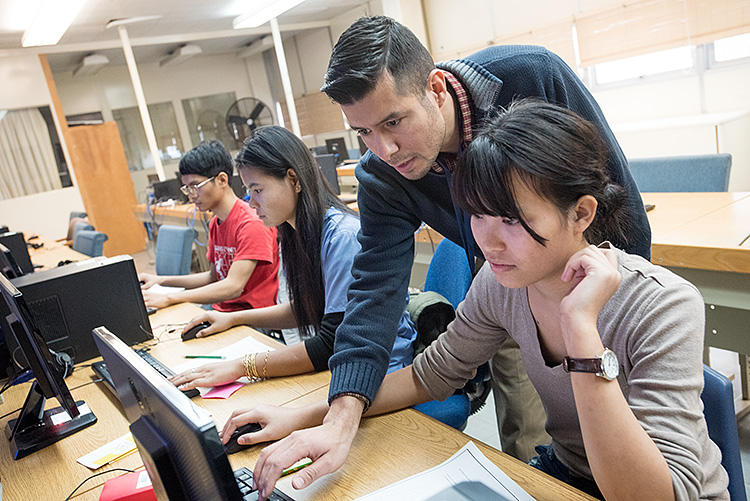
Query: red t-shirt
244 236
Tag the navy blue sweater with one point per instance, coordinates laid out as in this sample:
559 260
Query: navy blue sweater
392 208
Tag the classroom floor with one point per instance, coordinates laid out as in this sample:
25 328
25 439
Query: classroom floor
483 425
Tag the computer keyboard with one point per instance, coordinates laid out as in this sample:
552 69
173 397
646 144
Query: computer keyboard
100 368
244 479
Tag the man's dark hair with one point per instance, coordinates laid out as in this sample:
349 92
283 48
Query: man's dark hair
367 50
207 159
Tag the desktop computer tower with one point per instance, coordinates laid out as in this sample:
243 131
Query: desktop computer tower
68 302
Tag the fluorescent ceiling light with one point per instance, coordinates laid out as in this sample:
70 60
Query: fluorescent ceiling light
264 12
180 55
51 22
91 64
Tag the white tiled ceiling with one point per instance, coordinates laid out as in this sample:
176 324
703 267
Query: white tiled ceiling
181 21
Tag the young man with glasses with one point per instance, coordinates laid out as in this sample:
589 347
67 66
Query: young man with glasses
243 253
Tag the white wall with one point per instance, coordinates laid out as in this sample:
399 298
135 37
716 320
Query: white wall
47 213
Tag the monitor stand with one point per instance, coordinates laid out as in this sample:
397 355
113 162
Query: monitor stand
37 428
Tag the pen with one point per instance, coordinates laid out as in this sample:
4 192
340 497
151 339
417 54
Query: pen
219 357
295 468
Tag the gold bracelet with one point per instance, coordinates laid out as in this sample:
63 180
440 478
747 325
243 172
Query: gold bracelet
246 365
253 370
265 364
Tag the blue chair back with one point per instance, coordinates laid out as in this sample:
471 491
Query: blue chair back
449 273
718 408
81 225
89 242
694 173
174 248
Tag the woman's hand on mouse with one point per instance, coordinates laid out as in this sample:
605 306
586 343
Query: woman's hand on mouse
219 321
212 374
276 422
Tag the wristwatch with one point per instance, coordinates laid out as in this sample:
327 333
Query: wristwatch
606 365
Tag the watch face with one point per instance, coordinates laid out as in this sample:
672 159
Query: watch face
610 365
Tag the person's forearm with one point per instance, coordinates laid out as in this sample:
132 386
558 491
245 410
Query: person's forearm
279 316
215 292
286 361
617 447
400 389
192 281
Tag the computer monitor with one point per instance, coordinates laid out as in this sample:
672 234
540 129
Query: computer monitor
169 190
337 147
177 440
327 164
36 428
235 182
8 266
67 302
319 150
15 241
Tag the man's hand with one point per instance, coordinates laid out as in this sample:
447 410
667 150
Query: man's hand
155 300
148 280
327 445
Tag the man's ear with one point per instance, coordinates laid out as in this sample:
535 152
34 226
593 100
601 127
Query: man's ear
584 212
221 179
436 85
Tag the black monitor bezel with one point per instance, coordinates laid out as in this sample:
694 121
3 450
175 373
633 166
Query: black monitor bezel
149 399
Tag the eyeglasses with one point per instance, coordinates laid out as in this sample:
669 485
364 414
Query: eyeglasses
193 188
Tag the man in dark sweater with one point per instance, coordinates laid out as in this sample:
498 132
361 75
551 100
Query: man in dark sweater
416 119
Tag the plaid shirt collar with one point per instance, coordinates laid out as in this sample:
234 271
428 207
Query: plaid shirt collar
463 111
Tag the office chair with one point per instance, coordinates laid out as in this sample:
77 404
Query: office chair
174 248
449 274
89 242
718 408
78 214
694 173
79 226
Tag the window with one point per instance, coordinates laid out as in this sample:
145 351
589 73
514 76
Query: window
666 62
31 156
133 136
732 48
206 118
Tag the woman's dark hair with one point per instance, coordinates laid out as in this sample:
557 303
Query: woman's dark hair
366 50
556 153
207 159
274 150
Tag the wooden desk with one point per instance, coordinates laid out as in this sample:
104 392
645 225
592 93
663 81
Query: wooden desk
52 252
395 446
53 472
179 215
698 236
387 448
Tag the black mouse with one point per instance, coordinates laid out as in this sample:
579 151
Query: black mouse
232 446
190 333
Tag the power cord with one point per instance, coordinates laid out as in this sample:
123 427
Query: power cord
96 475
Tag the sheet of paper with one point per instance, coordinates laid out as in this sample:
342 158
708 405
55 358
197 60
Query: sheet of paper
107 453
162 289
235 350
468 464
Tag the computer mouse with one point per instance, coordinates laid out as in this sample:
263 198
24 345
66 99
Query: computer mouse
232 446
190 333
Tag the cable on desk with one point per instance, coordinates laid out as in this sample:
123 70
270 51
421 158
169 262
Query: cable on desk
96 475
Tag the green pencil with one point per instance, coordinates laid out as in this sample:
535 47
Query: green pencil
219 357
293 469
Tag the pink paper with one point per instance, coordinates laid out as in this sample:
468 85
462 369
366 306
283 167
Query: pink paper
224 391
